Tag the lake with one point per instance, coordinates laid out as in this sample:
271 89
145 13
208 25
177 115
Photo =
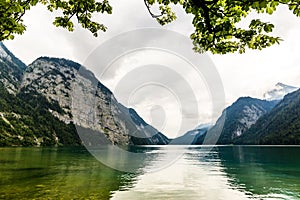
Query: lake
221 172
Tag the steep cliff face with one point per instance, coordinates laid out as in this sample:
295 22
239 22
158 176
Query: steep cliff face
24 117
86 102
239 117
248 116
11 70
279 126
51 101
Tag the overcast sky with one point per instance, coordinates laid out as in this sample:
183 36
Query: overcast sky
249 74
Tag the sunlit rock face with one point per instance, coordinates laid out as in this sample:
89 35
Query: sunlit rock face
279 126
87 103
11 69
239 117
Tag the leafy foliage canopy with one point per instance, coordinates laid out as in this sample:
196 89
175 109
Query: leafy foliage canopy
216 22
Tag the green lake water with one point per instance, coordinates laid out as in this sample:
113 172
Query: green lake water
223 172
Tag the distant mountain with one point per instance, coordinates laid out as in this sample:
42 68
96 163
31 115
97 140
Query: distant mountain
203 126
280 126
279 91
192 136
238 118
256 121
52 96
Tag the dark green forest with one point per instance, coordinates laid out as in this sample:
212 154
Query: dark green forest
280 126
26 121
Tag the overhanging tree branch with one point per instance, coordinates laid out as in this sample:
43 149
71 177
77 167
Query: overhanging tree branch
215 21
150 12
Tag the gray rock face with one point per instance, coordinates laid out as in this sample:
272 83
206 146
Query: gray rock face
11 69
87 103
279 126
240 116
249 115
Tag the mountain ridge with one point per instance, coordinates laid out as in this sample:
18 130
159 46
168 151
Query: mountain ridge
11 69
44 103
280 126
279 91
235 120
55 79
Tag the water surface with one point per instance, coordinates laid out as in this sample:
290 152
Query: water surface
223 172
